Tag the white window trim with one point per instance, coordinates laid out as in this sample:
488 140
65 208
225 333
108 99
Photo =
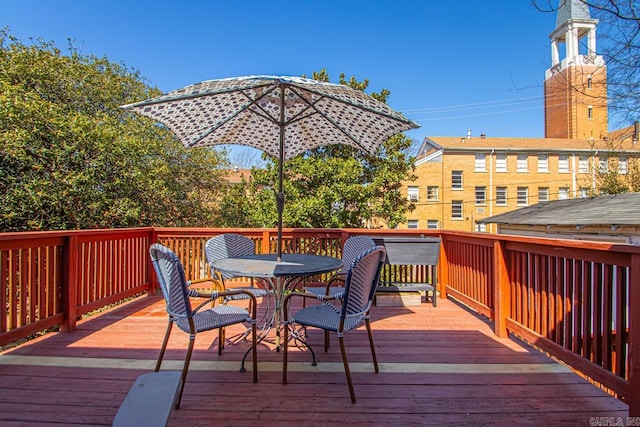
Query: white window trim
526 202
543 163
501 163
583 164
623 166
461 217
520 162
563 163
461 181
484 199
506 199
546 199
437 193
413 193
480 164
563 193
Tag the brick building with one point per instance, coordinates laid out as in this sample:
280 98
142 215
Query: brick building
464 179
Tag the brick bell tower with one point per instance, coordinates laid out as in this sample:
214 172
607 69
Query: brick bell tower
575 87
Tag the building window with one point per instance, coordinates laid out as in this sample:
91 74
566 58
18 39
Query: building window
481 163
603 165
432 224
481 195
412 193
521 165
589 82
523 196
543 194
583 164
456 209
432 192
543 163
481 228
563 193
623 165
583 192
563 163
590 112
501 162
456 180
412 223
501 196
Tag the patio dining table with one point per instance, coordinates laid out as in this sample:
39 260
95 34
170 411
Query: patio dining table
279 275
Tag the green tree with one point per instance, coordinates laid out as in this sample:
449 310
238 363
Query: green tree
335 186
609 180
71 158
235 206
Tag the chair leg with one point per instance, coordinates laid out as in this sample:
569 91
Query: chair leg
285 353
373 347
255 354
346 369
185 368
326 341
165 341
220 340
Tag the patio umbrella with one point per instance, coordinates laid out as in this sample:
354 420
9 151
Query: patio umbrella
282 116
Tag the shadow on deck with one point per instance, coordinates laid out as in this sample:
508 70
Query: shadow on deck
438 365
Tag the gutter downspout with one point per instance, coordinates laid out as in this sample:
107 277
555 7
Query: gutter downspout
491 189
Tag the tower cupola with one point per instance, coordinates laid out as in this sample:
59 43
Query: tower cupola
575 86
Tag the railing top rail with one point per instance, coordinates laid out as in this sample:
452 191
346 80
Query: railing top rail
543 241
24 235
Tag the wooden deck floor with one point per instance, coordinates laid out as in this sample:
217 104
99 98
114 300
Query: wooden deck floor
438 366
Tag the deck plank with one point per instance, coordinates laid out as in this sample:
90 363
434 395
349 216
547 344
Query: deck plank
438 365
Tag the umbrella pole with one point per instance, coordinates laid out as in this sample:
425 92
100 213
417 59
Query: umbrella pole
280 205
280 195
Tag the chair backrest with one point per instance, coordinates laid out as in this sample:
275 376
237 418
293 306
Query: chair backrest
353 247
228 245
172 280
362 279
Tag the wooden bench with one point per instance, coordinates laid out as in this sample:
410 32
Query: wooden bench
150 400
410 251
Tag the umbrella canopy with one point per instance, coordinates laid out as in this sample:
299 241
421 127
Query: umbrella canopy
282 116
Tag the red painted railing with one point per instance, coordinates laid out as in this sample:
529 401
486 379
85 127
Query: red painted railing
579 301
49 279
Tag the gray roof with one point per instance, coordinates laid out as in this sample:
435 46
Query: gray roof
571 10
618 209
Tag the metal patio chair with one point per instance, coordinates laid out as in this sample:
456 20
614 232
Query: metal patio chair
355 303
353 247
229 245
177 296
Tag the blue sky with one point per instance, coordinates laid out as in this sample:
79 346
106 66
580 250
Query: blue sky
451 65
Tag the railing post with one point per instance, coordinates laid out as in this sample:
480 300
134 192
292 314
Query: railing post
266 241
151 276
442 270
501 290
344 235
634 337
69 283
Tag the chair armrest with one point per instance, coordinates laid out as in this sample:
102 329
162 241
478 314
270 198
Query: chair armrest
338 277
203 280
210 296
252 297
216 284
285 304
